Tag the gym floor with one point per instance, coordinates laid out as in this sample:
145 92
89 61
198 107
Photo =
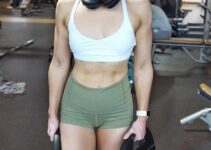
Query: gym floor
23 118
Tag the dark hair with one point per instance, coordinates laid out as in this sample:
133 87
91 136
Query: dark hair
93 4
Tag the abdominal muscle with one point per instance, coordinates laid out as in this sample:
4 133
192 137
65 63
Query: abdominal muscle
99 74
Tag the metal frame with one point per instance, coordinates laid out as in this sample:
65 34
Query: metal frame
207 20
184 46
204 115
13 50
16 48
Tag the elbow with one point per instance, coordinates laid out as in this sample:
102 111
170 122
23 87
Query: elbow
146 67
59 64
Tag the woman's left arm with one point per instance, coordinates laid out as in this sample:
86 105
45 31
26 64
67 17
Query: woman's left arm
143 70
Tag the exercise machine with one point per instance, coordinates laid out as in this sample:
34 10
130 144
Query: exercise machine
172 8
26 8
203 43
30 7
184 44
192 30
204 114
161 27
176 14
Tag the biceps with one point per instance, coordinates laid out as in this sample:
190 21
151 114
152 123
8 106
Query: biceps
61 47
142 52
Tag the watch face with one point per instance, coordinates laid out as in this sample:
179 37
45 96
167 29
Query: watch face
148 113
143 113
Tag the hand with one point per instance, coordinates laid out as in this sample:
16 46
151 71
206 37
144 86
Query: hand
138 128
53 125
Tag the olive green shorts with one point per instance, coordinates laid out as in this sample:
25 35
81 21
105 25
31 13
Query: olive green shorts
109 107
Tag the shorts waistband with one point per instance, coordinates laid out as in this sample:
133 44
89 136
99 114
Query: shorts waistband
122 81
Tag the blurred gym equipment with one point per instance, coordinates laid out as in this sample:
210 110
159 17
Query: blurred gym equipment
160 25
204 114
10 87
203 43
16 48
31 7
26 8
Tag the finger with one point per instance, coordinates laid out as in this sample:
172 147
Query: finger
49 131
51 134
128 134
138 138
52 138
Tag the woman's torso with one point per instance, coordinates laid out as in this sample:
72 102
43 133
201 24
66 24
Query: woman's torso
99 24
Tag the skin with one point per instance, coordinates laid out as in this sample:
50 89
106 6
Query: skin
94 24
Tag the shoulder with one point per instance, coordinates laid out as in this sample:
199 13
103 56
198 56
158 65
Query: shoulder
63 9
142 8
64 4
137 4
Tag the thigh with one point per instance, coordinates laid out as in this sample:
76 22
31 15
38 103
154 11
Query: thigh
75 137
110 139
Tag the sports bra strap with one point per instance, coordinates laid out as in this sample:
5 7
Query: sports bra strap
125 11
74 10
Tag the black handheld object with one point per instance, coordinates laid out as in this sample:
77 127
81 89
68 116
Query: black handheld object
128 143
57 141
93 4
146 144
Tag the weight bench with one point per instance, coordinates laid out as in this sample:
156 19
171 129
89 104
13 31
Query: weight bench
184 44
205 91
204 114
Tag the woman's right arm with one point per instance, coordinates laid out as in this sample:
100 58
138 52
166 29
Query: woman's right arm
59 67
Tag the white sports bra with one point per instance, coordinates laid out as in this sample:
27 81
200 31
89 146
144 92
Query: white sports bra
116 47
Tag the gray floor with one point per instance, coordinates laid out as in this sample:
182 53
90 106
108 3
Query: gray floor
23 118
174 96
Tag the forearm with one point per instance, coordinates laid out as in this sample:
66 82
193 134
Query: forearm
143 82
57 77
